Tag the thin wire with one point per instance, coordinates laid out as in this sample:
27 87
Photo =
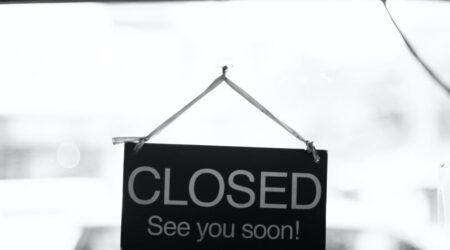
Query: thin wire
413 51
141 140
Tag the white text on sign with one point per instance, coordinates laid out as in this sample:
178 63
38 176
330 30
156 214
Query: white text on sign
264 188
158 227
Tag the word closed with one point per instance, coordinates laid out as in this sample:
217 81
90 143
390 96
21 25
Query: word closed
217 177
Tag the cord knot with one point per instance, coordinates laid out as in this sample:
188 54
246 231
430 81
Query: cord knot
140 144
312 149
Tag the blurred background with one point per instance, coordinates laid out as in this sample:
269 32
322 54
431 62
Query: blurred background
74 75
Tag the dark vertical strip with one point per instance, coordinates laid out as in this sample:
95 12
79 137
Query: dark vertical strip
433 75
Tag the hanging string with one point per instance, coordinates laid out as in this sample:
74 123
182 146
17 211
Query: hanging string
141 140
427 68
309 144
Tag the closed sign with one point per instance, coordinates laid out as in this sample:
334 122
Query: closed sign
212 197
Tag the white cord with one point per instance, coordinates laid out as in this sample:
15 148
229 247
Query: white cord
212 86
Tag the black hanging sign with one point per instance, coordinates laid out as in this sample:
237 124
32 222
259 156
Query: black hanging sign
214 197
